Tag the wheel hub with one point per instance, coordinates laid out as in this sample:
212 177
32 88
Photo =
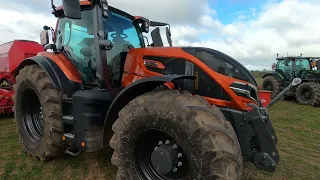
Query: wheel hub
306 94
164 158
268 86
32 115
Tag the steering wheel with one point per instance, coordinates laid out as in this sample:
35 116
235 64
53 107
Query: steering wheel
121 35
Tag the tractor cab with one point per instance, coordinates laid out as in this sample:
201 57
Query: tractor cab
294 66
75 38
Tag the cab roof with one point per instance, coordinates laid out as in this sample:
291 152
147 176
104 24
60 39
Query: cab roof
85 5
296 57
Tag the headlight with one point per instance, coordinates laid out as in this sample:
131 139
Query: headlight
245 90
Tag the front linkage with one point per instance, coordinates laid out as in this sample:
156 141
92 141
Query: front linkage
265 155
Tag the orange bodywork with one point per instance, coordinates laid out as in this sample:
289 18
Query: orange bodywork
134 69
64 64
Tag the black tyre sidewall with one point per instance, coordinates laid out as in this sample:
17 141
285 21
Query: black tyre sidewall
300 99
264 83
30 146
275 85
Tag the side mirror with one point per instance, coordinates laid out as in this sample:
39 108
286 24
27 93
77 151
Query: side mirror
44 37
72 9
168 33
156 37
145 24
145 27
273 66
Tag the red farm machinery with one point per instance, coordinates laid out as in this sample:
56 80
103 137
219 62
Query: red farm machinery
11 55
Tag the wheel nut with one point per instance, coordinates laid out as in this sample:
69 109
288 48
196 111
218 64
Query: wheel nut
175 170
174 146
155 147
167 142
160 143
179 155
179 164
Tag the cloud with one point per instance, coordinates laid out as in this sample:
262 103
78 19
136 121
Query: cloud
22 25
288 26
183 12
253 38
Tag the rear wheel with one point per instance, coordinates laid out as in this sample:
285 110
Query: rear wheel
270 83
308 93
169 134
38 113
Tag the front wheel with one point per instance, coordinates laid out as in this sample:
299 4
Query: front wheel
169 134
270 83
38 114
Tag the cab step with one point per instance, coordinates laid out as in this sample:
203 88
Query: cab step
69 137
67 100
72 151
68 119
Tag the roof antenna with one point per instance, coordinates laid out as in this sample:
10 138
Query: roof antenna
53 6
301 55
277 55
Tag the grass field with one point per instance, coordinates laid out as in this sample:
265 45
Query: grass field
297 128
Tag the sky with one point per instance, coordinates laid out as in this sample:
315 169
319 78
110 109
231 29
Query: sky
250 31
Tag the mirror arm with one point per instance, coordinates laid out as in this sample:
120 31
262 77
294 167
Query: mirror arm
53 6
147 41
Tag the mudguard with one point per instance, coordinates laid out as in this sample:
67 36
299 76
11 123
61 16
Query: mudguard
277 75
132 91
56 75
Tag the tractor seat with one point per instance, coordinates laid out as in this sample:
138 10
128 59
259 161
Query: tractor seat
86 51
117 66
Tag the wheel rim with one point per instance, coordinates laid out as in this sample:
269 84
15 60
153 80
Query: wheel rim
159 156
32 115
306 94
268 86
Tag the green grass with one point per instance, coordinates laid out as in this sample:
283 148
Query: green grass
259 80
297 128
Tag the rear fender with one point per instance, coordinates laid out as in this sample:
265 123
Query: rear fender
132 91
56 75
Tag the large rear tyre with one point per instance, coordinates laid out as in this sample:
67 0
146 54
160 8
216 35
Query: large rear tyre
38 114
170 134
270 83
308 93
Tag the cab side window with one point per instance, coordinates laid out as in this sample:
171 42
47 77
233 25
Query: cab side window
220 66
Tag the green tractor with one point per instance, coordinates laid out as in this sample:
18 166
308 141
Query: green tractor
288 68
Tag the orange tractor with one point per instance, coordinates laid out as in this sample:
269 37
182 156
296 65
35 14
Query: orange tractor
168 112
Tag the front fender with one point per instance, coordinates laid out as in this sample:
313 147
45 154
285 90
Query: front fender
53 71
132 91
278 76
